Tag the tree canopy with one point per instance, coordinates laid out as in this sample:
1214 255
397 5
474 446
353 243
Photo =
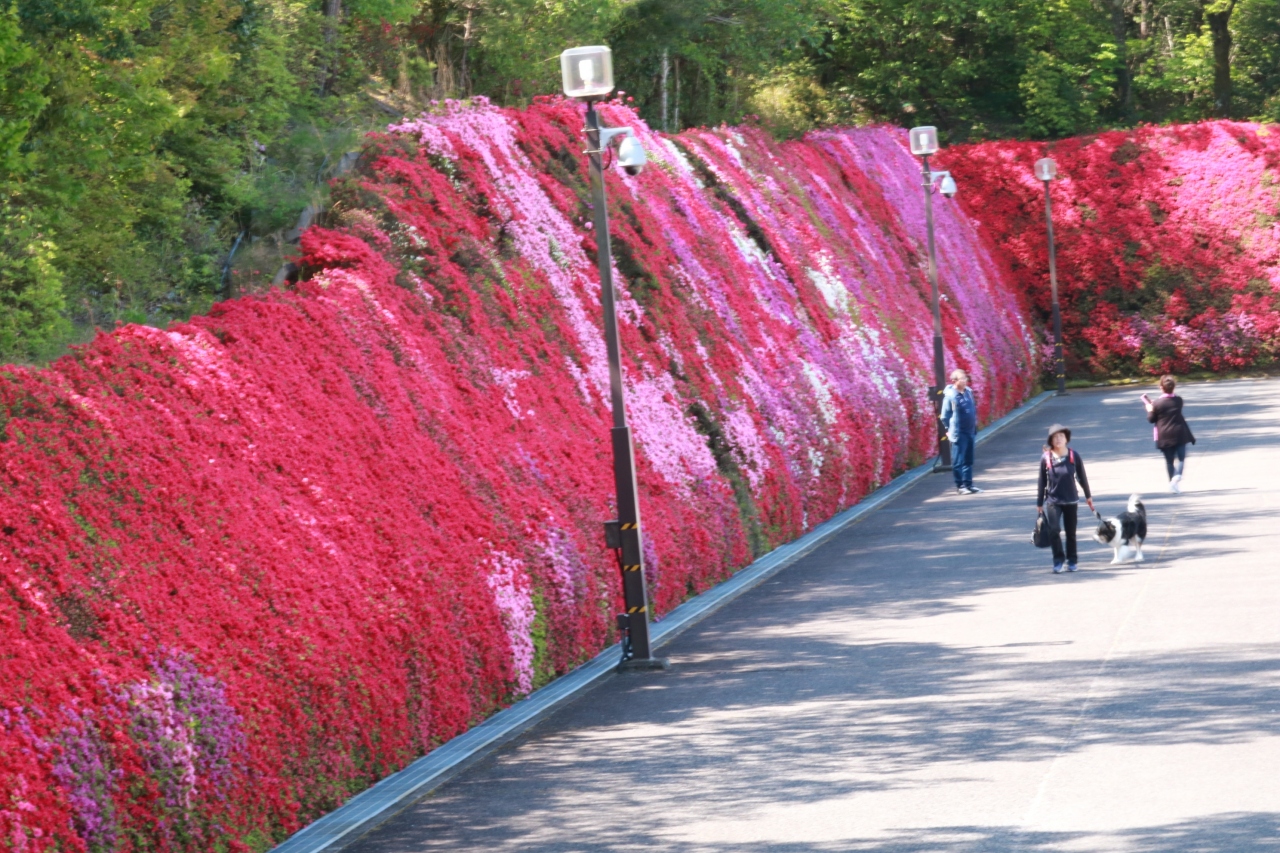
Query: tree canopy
154 154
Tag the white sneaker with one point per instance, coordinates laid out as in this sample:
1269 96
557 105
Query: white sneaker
1175 485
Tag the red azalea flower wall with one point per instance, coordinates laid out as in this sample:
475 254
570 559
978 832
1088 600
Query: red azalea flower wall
1168 241
258 561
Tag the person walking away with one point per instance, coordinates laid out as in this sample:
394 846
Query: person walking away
960 416
1057 497
1171 431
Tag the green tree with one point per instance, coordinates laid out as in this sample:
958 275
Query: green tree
140 142
1071 71
704 59
1217 14
20 98
1195 59
518 43
117 209
974 67
1255 69
32 326
31 304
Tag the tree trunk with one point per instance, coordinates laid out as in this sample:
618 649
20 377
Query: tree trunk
676 121
666 69
445 81
1221 33
332 17
464 80
1119 31
1144 15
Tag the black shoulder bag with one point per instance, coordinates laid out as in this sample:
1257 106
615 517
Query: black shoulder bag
1041 537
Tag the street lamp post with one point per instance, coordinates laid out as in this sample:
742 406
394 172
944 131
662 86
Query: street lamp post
1047 170
924 141
588 75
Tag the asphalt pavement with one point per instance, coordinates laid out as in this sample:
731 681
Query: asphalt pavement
923 682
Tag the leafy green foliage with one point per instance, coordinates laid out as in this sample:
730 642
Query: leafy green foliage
20 99
716 53
973 67
518 43
1256 66
31 323
981 68
140 142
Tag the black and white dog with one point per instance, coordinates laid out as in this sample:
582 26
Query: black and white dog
1125 532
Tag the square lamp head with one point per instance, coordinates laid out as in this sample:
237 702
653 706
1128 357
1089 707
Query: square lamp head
924 140
1046 169
587 71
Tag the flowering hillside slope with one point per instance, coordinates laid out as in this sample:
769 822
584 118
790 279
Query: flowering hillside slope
1168 241
255 562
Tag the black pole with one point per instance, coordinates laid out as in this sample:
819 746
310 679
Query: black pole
1059 364
943 462
627 530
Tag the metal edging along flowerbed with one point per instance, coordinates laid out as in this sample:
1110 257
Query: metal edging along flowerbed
367 810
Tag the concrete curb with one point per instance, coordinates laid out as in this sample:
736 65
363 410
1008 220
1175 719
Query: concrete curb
370 808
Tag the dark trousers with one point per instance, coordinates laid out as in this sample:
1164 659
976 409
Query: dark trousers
1174 458
1062 517
962 459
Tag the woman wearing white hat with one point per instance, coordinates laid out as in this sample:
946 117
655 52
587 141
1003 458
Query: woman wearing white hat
1060 468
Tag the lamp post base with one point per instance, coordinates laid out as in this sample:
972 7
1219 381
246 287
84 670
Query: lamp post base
939 466
643 665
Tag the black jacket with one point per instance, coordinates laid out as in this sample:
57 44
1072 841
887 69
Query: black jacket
1171 426
1058 481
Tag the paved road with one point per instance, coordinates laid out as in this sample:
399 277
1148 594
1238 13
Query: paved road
924 683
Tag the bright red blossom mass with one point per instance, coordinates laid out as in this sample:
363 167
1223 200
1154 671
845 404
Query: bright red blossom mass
1168 241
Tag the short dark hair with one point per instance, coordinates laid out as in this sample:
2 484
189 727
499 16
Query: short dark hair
1167 383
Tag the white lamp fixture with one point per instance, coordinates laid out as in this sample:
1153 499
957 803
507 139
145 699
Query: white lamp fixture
924 141
631 155
948 186
1046 169
587 72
